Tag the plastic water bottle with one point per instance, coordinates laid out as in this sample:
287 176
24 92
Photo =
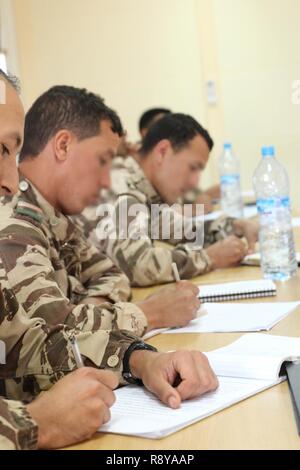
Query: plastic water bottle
231 196
277 246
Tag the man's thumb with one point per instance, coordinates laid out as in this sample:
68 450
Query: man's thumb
165 392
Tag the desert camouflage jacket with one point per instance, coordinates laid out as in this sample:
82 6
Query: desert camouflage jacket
46 269
18 431
137 253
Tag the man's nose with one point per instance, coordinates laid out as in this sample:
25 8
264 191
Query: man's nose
105 180
194 180
9 180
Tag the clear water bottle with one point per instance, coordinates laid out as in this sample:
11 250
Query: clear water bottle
277 246
231 196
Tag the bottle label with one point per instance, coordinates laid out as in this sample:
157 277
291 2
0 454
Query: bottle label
269 205
230 179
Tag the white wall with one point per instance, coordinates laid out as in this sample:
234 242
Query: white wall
259 57
135 53
143 53
8 36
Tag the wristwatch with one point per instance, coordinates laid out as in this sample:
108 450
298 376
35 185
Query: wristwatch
127 375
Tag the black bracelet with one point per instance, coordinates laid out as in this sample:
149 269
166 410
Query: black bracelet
127 375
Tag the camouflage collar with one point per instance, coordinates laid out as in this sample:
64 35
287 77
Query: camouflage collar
140 182
129 163
32 204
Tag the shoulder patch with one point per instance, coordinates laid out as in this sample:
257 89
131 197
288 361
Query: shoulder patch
29 210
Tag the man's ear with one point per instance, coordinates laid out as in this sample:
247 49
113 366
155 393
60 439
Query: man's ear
143 132
162 148
61 143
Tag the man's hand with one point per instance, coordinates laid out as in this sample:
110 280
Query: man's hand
248 229
214 191
226 253
171 306
206 200
174 376
74 408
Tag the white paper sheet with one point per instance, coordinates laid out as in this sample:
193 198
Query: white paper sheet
258 357
137 412
233 317
254 356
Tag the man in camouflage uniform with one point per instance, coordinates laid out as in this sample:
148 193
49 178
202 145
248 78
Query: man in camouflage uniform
122 170
126 164
195 195
37 315
79 404
173 152
58 279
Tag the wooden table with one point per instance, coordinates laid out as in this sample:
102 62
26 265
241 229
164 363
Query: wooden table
264 421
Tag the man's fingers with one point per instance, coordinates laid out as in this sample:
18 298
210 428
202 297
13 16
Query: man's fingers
187 285
197 305
106 395
240 249
197 377
165 392
251 234
105 415
251 244
105 377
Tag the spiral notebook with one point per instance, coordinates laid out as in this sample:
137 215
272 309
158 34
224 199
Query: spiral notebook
237 290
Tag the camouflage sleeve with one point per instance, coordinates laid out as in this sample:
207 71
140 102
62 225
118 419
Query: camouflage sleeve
144 263
191 196
214 230
94 274
18 431
38 318
87 221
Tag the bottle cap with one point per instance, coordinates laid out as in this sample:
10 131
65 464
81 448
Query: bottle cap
227 146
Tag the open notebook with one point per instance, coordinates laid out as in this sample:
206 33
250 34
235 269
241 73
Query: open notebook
237 290
254 259
248 366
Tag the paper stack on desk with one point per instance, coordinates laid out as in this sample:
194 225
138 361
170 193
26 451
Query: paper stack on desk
254 259
228 318
246 367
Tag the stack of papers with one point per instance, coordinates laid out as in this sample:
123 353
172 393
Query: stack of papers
230 318
246 367
254 259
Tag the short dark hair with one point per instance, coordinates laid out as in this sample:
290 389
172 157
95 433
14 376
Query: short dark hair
148 117
11 79
65 107
178 128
